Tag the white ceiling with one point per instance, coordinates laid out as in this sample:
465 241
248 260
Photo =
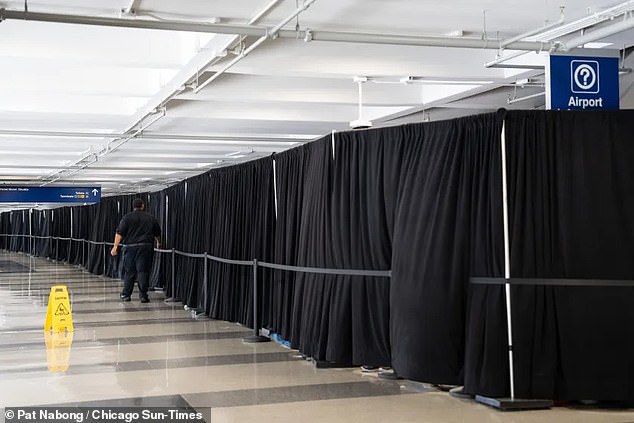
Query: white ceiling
68 90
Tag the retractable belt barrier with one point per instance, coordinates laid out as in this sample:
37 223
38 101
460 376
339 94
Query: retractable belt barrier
256 337
552 282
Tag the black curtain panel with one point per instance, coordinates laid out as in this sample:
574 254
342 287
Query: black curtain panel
570 184
155 205
240 225
310 310
5 230
290 168
361 235
385 198
447 181
175 198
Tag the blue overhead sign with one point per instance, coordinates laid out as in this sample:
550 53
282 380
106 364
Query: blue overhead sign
25 194
584 83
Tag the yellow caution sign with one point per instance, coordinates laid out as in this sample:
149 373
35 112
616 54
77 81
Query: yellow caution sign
58 315
58 347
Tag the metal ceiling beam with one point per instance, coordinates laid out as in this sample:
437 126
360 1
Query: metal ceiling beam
599 34
265 32
135 23
280 138
415 40
111 168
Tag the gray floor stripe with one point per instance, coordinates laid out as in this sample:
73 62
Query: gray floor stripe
49 282
40 292
161 401
155 305
208 336
132 366
285 394
246 397
108 323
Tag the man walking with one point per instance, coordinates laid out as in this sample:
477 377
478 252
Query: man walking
139 230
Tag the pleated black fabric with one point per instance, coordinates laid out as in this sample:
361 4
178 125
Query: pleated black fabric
447 184
239 225
570 206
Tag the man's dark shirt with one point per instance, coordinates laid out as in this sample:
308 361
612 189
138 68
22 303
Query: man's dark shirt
139 227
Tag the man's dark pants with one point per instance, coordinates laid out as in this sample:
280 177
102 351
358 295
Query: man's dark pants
137 264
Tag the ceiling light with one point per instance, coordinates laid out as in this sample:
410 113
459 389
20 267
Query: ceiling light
596 45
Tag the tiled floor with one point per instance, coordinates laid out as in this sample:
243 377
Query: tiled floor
156 355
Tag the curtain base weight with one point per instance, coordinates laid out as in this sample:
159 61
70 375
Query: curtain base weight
254 339
319 364
517 404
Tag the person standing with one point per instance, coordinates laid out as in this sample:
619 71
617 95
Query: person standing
139 230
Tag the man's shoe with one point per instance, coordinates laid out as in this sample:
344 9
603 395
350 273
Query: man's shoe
145 300
125 298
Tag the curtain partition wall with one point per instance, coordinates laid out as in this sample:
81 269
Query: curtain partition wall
571 215
424 200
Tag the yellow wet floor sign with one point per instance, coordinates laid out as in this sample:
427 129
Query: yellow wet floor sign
58 315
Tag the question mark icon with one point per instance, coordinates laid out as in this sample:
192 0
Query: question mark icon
585 73
585 76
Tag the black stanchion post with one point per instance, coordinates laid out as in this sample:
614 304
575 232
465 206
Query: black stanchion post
256 337
104 258
173 298
56 249
83 253
201 311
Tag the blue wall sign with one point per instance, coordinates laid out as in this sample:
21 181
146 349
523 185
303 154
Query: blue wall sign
25 194
584 83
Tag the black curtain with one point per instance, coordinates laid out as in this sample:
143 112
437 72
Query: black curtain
278 296
410 197
303 239
175 196
5 229
362 226
570 184
448 182
155 205
239 225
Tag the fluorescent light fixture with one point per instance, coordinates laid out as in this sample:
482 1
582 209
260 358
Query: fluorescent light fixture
431 81
596 45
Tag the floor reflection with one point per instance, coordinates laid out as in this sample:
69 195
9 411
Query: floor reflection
58 347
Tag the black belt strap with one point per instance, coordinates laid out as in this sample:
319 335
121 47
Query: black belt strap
552 282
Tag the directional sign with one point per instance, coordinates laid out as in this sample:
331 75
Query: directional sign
26 194
578 82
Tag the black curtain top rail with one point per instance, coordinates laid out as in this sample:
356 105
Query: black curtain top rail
552 282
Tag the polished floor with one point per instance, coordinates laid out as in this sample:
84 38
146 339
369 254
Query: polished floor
156 354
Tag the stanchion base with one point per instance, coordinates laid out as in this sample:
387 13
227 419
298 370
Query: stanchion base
254 339
508 404
172 300
319 364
